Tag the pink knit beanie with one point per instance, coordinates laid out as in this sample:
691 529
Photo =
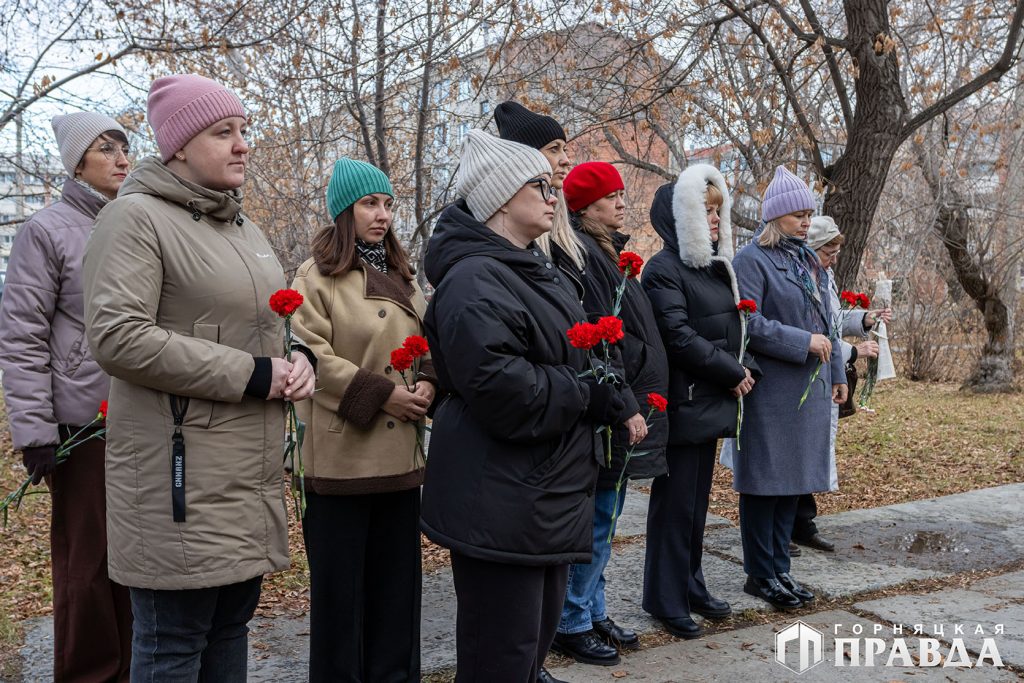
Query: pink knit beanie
785 194
182 105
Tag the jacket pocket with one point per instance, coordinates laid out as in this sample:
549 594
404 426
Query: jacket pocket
200 411
76 355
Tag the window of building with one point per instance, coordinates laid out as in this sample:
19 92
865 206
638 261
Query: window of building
440 136
465 89
462 131
485 108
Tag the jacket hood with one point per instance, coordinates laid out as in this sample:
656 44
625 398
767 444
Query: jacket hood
153 177
661 216
688 210
459 235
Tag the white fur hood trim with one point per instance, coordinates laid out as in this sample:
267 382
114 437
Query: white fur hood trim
688 210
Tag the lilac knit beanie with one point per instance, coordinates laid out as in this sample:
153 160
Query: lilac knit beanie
182 105
786 193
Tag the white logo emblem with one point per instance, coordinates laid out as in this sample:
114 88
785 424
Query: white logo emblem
806 647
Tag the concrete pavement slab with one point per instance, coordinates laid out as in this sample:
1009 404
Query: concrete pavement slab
976 611
833 575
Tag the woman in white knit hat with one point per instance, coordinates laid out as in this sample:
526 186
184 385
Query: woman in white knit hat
513 455
52 387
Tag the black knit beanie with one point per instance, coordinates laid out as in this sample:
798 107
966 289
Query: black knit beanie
519 124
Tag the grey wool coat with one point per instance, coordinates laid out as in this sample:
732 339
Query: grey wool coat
784 450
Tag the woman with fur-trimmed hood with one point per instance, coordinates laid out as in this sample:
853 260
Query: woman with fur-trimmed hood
693 291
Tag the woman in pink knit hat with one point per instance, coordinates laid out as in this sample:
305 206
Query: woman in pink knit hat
784 445
177 285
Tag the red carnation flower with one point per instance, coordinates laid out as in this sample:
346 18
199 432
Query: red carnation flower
584 335
284 302
746 306
415 345
610 328
630 264
401 359
657 402
102 415
849 298
863 300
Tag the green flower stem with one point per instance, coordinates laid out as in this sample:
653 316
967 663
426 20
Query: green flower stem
814 378
15 497
630 454
296 432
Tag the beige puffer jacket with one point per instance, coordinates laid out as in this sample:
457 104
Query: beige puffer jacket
177 284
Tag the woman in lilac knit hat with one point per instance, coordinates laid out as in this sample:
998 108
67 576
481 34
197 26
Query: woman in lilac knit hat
177 284
783 448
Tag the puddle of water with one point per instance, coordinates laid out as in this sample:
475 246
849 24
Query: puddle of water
919 542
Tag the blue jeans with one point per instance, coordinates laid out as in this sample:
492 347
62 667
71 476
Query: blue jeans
584 598
185 636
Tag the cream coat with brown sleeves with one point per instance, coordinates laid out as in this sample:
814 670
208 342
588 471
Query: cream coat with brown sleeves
352 323
177 289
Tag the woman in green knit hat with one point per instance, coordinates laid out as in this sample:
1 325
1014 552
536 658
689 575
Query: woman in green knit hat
362 455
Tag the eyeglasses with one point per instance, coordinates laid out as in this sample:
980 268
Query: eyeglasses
546 191
110 150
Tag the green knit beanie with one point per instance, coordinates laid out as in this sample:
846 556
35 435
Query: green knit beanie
352 180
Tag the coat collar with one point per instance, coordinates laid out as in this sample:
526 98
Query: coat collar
781 261
82 199
151 176
392 287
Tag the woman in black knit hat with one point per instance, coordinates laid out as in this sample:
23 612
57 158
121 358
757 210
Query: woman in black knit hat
519 124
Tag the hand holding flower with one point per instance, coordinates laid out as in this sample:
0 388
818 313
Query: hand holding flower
301 380
405 404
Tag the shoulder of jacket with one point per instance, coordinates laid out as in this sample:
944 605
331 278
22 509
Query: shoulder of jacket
56 217
307 270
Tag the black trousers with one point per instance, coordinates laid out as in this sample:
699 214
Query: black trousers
506 618
364 568
766 527
806 510
673 578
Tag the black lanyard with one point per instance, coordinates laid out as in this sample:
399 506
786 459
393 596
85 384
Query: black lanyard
179 406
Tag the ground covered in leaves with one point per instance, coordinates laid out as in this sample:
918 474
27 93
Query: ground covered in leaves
924 440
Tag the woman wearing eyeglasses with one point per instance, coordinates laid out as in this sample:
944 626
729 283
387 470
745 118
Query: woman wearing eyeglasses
594 193
53 387
511 471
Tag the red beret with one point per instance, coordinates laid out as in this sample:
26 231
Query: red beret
588 182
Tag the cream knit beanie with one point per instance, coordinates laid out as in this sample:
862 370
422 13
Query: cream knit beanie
75 132
492 170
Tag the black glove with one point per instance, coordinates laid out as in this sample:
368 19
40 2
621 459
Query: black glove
606 404
39 461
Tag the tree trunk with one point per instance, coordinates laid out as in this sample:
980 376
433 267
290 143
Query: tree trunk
420 235
855 182
994 372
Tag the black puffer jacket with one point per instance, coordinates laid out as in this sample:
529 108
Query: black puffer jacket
640 355
693 291
512 468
